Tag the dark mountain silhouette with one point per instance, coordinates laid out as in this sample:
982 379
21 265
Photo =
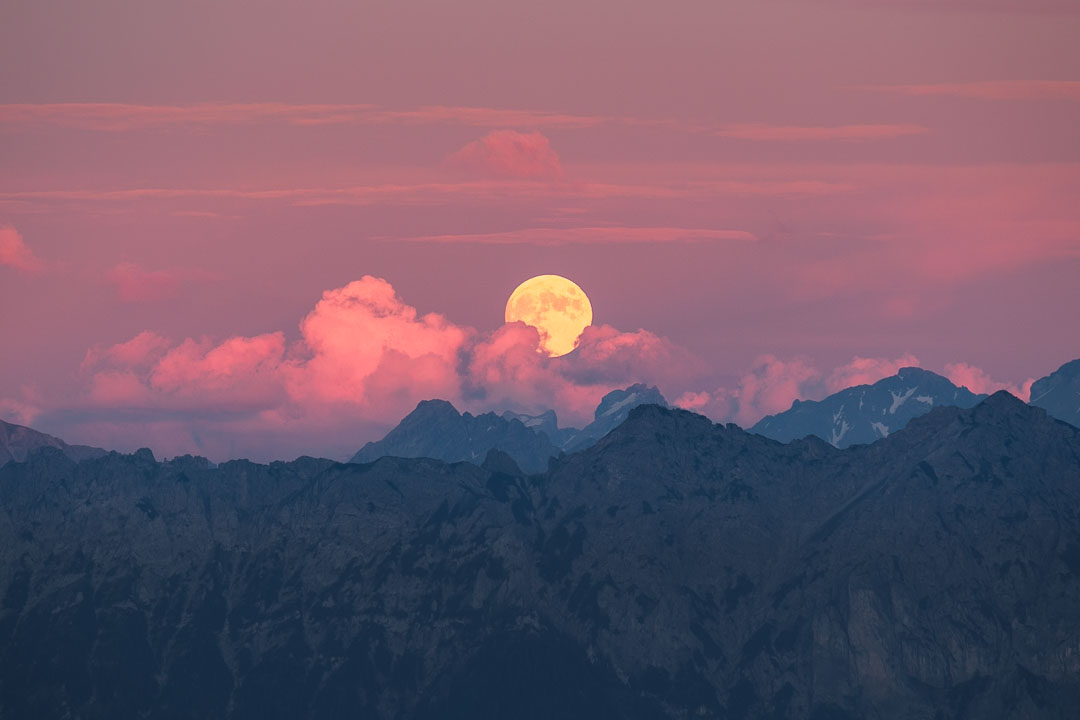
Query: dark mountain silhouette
865 413
17 441
435 429
1059 393
675 569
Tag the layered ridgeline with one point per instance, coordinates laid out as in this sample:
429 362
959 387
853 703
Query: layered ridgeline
865 413
1059 393
674 569
435 429
17 441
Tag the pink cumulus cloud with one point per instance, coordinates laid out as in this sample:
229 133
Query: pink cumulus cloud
978 380
363 359
16 254
692 400
771 386
139 351
867 371
357 334
509 154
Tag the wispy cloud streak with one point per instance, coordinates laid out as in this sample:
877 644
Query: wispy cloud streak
988 90
585 236
790 133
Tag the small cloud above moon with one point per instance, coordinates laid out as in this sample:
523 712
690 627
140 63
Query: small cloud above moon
508 154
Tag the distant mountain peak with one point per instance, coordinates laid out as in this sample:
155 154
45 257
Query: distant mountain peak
637 394
434 408
18 441
1059 393
866 413
436 429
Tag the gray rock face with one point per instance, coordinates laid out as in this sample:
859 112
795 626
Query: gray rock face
1059 393
676 569
17 441
865 413
435 429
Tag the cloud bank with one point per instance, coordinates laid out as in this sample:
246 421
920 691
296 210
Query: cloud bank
363 359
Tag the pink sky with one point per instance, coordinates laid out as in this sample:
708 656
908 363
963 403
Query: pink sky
270 228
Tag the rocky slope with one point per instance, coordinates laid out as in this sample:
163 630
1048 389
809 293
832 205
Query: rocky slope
1059 393
16 442
865 413
676 569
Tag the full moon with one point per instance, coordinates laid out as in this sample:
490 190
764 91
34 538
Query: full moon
556 307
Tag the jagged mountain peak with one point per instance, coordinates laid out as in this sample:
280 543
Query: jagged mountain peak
433 408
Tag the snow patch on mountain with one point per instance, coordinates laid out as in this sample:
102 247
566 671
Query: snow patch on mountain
899 399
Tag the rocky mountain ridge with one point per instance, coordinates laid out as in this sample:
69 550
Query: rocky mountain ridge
435 429
675 569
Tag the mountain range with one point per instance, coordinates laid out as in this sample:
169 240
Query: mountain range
435 429
675 569
856 415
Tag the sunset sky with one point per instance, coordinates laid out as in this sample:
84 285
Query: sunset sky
264 229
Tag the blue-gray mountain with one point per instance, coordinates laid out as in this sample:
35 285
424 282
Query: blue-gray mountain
17 441
674 569
1059 393
865 413
435 429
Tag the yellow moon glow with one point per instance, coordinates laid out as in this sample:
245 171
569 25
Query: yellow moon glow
556 307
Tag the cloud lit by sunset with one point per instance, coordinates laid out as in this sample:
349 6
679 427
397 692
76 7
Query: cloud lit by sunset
250 247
